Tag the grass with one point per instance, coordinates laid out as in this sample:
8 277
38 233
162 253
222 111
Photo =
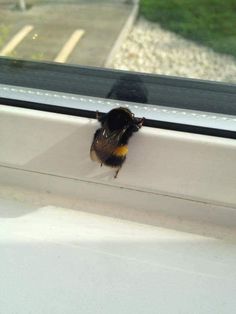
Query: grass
209 22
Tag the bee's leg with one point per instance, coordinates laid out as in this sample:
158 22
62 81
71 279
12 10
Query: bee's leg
140 122
101 164
97 115
101 117
116 174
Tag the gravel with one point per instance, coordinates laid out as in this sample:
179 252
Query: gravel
151 49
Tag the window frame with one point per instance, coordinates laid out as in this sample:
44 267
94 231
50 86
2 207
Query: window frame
181 93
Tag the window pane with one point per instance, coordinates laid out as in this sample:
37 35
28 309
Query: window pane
195 39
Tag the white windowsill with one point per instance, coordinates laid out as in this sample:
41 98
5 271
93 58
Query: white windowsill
173 172
73 238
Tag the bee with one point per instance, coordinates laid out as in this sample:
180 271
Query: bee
110 142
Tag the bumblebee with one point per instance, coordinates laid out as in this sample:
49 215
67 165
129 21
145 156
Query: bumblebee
110 142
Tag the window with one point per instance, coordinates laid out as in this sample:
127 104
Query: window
74 239
160 37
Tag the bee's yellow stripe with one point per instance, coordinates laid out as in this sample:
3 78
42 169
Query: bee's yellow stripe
121 151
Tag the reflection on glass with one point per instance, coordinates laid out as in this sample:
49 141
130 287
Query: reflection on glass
178 38
129 88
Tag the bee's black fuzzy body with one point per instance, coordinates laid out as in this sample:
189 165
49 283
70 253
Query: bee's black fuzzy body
110 142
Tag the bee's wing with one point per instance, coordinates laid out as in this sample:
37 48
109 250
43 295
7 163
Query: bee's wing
104 143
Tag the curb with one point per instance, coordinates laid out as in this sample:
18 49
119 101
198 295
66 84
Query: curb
123 34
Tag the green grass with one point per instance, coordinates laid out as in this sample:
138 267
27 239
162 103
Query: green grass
209 22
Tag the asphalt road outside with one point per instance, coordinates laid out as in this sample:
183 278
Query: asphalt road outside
88 28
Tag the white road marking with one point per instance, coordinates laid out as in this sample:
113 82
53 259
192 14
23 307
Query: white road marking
69 46
11 45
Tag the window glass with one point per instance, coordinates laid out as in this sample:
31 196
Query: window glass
194 39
